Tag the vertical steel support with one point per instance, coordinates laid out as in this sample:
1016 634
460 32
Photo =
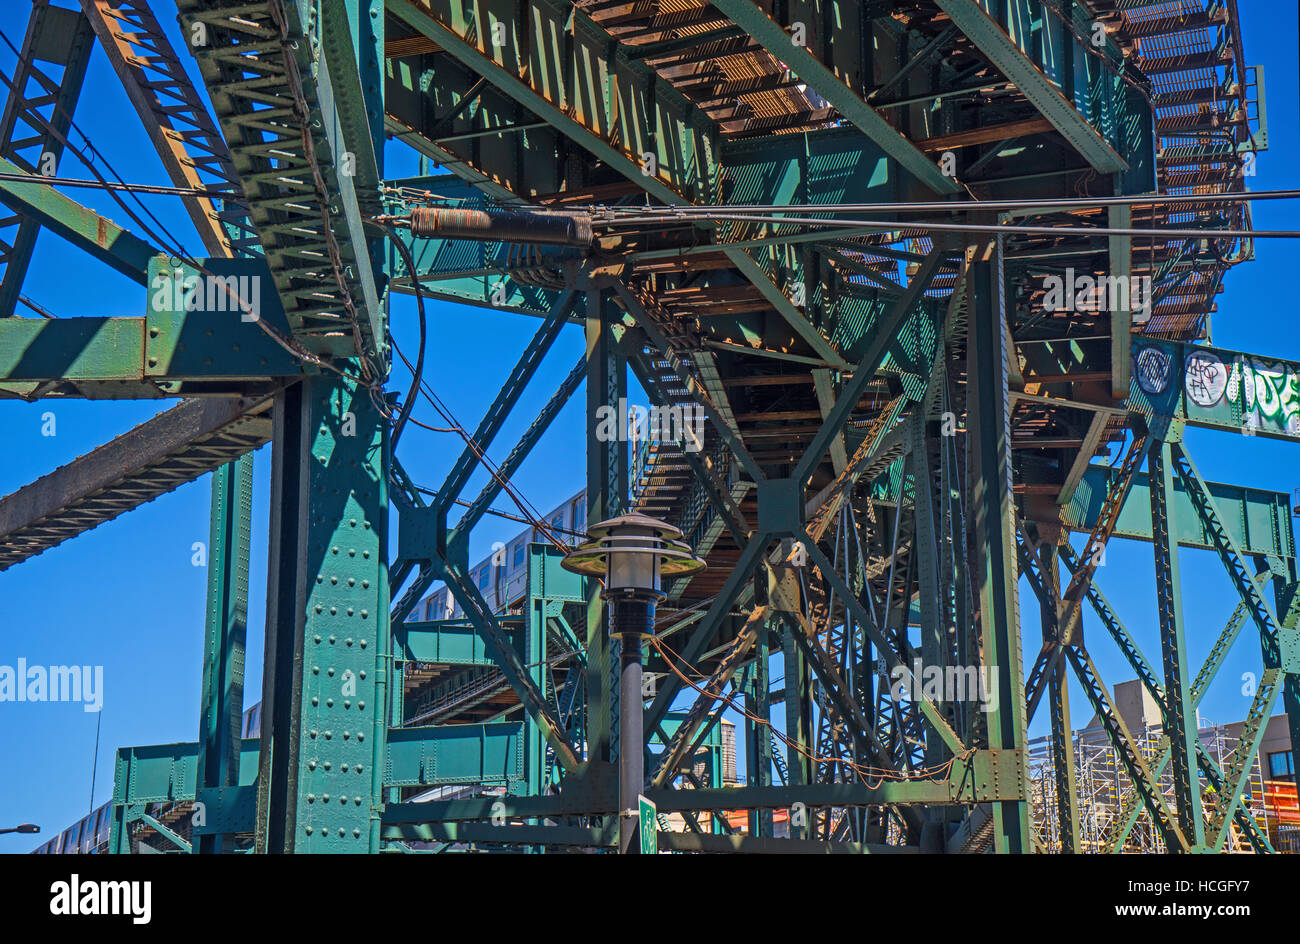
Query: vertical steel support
758 739
606 497
1058 693
225 634
1121 316
1180 712
995 575
325 690
798 724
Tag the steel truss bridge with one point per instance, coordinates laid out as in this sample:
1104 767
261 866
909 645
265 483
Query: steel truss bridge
900 422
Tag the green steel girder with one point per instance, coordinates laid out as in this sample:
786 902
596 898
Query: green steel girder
167 773
196 327
892 658
440 755
423 535
166 451
1132 806
1033 47
1236 776
1179 714
882 338
225 632
1135 765
980 776
418 756
325 676
577 78
454 117
994 587
850 103
84 228
445 642
475 834
1259 520
1216 388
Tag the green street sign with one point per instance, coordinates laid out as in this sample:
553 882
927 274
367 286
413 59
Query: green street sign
649 826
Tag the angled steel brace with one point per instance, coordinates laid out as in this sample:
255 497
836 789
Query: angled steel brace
794 316
1144 671
508 466
679 744
154 458
1179 714
503 654
774 38
31 89
1004 53
706 630
1122 741
928 708
1280 643
865 371
511 390
84 228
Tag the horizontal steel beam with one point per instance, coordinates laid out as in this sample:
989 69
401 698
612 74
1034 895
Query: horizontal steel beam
436 755
1257 519
152 459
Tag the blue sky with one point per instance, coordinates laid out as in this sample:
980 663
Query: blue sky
126 595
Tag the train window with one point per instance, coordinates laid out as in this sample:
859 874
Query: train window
580 514
483 577
518 559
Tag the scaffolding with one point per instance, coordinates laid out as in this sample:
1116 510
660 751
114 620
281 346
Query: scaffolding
1105 792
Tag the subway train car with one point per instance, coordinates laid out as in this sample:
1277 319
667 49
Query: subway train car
89 835
501 576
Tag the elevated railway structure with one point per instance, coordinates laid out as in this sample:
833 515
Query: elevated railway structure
937 278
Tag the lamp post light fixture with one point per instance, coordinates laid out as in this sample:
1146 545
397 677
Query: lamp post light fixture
631 553
22 828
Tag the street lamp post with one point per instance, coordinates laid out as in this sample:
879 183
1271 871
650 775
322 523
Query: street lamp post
22 828
631 553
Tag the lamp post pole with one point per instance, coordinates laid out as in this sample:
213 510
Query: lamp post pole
630 554
633 621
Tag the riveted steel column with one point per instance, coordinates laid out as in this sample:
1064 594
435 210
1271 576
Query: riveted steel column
328 629
1179 711
225 634
994 568
606 497
758 740
798 725
1058 693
